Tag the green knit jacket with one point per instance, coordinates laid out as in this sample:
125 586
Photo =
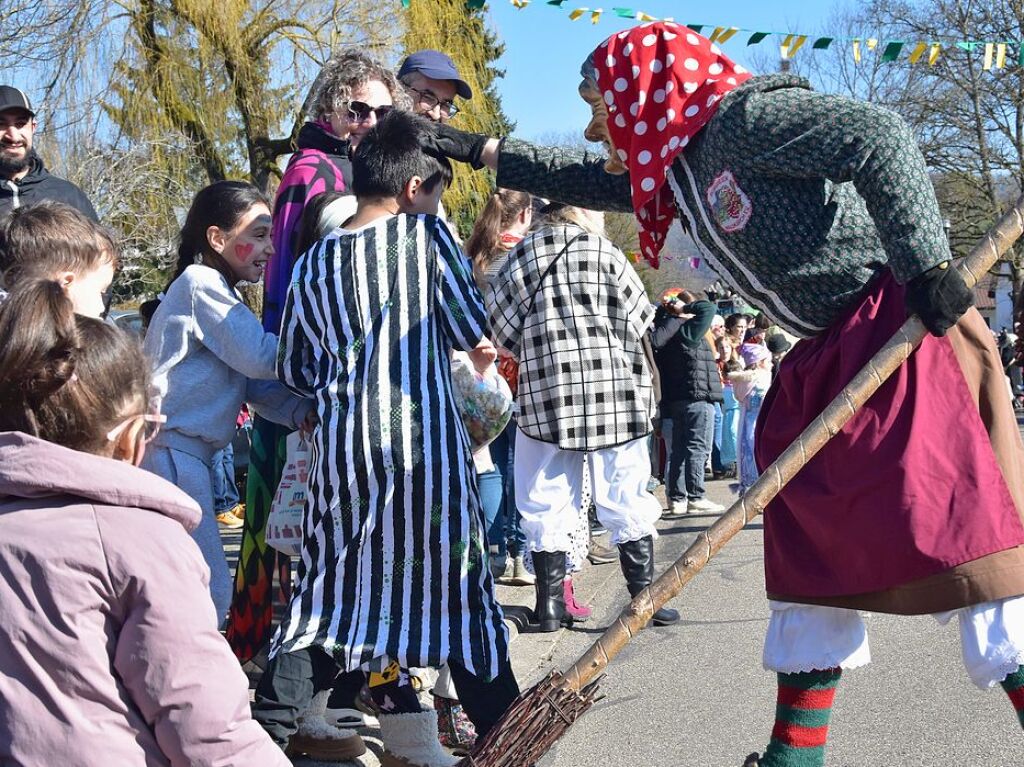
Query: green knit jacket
797 199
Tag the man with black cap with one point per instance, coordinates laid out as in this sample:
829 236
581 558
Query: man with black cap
23 179
433 83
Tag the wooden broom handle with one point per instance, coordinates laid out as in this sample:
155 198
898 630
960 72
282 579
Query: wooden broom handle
637 613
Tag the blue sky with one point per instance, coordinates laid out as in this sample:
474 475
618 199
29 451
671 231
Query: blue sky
544 49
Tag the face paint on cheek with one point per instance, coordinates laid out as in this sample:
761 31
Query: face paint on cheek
244 251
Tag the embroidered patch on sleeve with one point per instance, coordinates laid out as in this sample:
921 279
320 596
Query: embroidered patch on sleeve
729 204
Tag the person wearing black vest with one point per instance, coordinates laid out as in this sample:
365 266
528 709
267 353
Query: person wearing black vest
690 385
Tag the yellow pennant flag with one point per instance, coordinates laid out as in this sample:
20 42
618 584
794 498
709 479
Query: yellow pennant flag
727 34
577 13
520 4
872 42
713 37
934 55
784 48
796 45
1000 55
918 51
990 50
856 51
641 16
595 16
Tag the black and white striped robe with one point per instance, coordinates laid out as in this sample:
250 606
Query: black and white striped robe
393 549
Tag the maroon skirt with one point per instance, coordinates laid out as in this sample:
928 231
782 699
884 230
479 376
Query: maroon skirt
911 487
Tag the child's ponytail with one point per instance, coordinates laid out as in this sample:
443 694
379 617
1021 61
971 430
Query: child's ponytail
39 353
65 378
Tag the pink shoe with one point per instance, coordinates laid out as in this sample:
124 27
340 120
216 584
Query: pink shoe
578 612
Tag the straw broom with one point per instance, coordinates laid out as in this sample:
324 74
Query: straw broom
539 717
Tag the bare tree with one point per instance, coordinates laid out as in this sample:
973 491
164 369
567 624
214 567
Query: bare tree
141 102
970 119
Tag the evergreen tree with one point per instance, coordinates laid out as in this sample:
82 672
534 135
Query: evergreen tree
457 29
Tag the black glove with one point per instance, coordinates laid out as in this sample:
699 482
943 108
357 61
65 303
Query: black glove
457 145
939 297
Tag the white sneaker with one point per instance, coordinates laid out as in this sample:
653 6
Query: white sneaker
703 506
678 509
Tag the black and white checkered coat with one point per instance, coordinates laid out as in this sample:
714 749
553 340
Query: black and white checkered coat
583 380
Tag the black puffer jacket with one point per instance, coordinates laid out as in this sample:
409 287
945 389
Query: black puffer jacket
686 363
39 185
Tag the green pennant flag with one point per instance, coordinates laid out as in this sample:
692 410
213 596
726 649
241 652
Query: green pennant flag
696 27
967 46
625 13
1020 55
556 2
757 37
822 43
405 3
892 51
475 4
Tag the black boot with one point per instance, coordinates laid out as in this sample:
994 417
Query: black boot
637 560
549 567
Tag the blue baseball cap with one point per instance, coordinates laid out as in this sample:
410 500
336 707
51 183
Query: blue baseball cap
436 65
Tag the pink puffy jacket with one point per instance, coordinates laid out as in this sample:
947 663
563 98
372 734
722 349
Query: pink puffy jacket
109 650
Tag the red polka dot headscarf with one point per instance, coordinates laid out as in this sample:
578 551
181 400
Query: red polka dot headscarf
661 83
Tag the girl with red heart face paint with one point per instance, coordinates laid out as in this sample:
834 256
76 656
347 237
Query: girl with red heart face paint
240 252
211 354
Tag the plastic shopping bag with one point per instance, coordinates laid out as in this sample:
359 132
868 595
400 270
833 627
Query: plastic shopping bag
483 399
284 526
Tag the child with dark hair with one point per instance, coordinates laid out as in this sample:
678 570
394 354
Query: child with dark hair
51 240
393 571
323 214
109 649
211 354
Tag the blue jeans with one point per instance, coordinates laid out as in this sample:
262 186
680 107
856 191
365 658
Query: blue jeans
503 453
492 498
716 445
693 429
225 491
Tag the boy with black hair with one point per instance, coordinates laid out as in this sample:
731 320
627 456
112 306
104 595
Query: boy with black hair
392 573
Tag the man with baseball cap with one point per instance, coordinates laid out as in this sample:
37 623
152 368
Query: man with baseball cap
23 179
433 82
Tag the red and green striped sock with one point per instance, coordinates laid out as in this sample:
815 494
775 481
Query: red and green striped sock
1014 686
802 712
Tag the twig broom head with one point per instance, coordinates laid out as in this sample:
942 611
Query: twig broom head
532 724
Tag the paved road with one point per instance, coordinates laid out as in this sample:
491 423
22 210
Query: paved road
695 694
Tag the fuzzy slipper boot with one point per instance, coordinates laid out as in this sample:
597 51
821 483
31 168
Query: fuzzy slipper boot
318 739
410 740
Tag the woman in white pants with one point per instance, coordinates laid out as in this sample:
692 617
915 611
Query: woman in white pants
569 306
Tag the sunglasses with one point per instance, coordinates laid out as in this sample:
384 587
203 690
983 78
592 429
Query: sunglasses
359 111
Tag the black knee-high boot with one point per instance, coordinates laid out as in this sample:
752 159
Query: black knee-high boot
549 567
637 560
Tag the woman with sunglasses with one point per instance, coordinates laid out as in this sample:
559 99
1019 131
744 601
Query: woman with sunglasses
352 91
210 354
109 650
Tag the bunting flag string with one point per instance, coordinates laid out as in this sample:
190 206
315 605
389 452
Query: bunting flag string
995 53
